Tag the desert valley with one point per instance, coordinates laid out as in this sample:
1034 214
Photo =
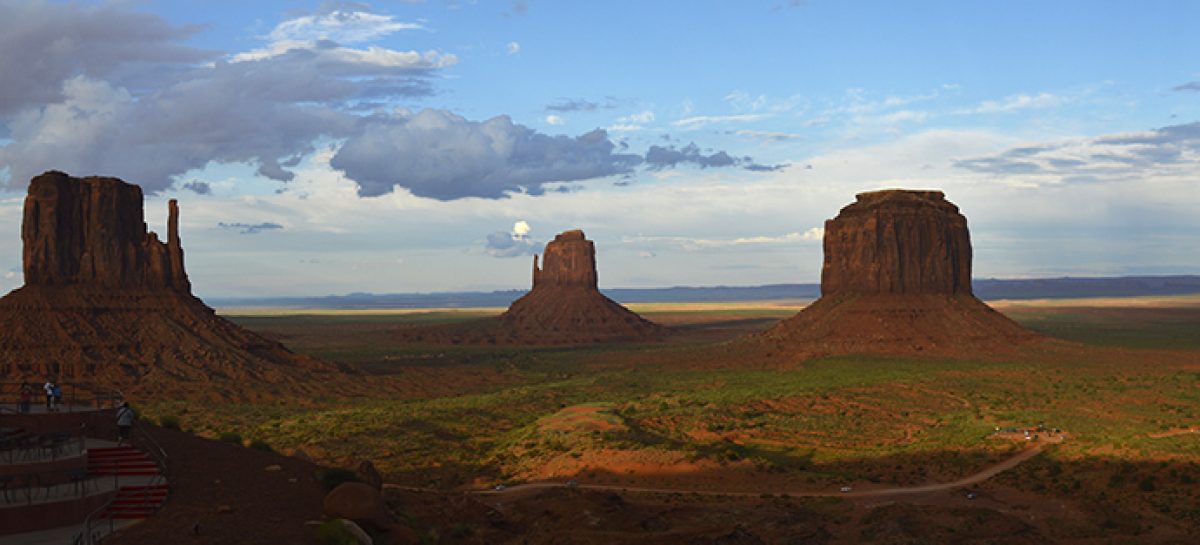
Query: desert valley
803 272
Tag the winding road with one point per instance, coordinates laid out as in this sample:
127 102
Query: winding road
969 480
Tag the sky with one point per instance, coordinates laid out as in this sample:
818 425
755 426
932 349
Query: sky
421 146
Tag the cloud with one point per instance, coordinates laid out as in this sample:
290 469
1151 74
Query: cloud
515 243
513 48
555 119
1016 102
640 117
1192 86
662 157
702 120
580 105
815 234
230 114
44 44
198 187
342 25
659 157
768 136
1170 151
443 156
264 110
250 228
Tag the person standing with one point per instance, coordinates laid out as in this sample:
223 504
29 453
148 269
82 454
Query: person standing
48 387
57 390
26 398
124 422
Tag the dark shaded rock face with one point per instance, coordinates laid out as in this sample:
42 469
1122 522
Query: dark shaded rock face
897 279
897 242
569 261
564 307
89 231
106 303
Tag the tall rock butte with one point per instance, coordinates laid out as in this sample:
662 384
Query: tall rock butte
896 278
105 302
565 306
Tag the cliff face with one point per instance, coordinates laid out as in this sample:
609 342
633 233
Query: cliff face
89 231
896 278
569 262
897 242
106 303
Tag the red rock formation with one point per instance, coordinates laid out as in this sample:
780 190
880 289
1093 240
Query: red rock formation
570 262
896 278
897 242
90 231
564 307
106 302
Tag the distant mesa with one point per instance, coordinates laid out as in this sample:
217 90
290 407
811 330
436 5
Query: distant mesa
106 302
896 278
565 306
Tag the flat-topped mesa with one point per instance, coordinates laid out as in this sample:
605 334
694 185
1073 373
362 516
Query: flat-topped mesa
896 279
91 231
569 261
897 242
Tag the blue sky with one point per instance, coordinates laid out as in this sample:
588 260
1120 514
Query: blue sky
331 147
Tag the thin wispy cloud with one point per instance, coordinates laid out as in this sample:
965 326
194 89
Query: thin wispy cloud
815 234
698 121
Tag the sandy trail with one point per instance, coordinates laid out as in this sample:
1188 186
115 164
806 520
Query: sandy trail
974 478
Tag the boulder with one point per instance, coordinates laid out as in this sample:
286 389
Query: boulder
369 475
359 502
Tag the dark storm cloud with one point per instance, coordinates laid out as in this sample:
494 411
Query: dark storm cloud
43 44
443 156
250 228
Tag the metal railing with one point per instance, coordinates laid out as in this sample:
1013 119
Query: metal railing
93 529
76 396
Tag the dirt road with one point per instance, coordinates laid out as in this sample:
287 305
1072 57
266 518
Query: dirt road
974 478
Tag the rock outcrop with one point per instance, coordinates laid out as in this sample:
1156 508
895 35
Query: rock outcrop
896 278
897 242
565 306
106 302
90 232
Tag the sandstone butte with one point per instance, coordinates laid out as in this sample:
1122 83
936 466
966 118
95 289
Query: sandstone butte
105 302
565 306
897 279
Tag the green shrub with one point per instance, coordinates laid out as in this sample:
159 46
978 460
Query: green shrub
1146 485
169 421
335 533
461 530
333 476
259 444
230 437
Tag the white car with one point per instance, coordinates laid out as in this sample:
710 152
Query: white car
846 489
